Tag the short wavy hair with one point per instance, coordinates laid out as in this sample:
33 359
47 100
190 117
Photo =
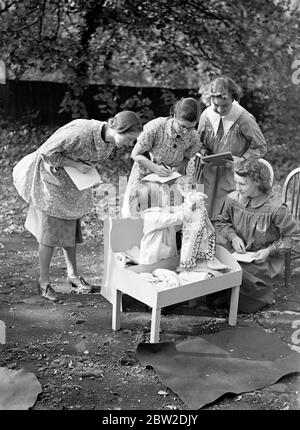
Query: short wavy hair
222 87
257 171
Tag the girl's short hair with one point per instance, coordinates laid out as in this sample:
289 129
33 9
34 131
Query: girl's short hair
125 122
223 87
257 171
187 109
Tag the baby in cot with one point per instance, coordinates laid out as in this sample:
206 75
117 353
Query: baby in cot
163 220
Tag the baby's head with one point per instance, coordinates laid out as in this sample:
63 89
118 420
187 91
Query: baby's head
190 191
186 184
172 195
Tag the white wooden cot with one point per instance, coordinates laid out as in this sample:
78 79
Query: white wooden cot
122 234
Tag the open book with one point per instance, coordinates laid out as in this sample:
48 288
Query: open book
248 257
218 159
153 177
83 180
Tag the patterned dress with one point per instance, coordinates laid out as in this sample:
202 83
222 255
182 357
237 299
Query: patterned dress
56 204
161 140
242 137
198 238
262 222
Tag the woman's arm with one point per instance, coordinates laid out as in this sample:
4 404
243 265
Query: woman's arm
137 155
61 147
145 142
225 227
287 227
204 149
252 132
58 160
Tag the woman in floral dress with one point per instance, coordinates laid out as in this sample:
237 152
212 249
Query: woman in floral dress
56 204
171 141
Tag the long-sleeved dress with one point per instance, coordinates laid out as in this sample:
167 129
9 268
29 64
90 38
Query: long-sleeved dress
241 136
161 140
56 204
262 222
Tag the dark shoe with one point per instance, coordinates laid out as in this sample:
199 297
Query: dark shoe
80 285
48 293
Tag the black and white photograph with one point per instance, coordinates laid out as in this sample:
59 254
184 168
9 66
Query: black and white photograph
149 209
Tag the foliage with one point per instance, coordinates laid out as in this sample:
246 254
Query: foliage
102 40
169 44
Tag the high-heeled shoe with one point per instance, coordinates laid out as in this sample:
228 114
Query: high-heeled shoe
80 284
47 293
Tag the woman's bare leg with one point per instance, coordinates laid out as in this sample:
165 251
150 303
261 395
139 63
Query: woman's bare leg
70 257
45 256
76 281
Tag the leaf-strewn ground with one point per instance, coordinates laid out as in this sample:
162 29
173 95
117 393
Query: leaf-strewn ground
80 362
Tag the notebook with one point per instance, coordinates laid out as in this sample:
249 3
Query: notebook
218 158
83 180
248 257
153 177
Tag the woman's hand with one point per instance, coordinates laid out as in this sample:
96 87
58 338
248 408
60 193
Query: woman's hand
262 255
238 245
229 163
82 167
160 170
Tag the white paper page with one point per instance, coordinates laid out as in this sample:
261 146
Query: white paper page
83 180
248 257
153 177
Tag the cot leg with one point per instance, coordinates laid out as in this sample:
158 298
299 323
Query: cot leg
116 309
155 323
2 332
234 301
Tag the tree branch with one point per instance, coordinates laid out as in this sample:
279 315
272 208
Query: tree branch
8 6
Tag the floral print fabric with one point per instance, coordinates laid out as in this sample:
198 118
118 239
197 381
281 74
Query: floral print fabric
161 140
47 186
198 238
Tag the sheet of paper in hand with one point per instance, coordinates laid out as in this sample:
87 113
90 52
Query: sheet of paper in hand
248 257
218 159
83 180
153 177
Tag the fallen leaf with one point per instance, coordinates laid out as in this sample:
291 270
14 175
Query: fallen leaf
163 393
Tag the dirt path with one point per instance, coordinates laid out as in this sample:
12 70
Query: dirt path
82 364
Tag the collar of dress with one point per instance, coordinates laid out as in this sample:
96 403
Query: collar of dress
257 201
228 120
99 142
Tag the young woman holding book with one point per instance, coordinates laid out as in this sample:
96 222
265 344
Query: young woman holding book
225 126
56 204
